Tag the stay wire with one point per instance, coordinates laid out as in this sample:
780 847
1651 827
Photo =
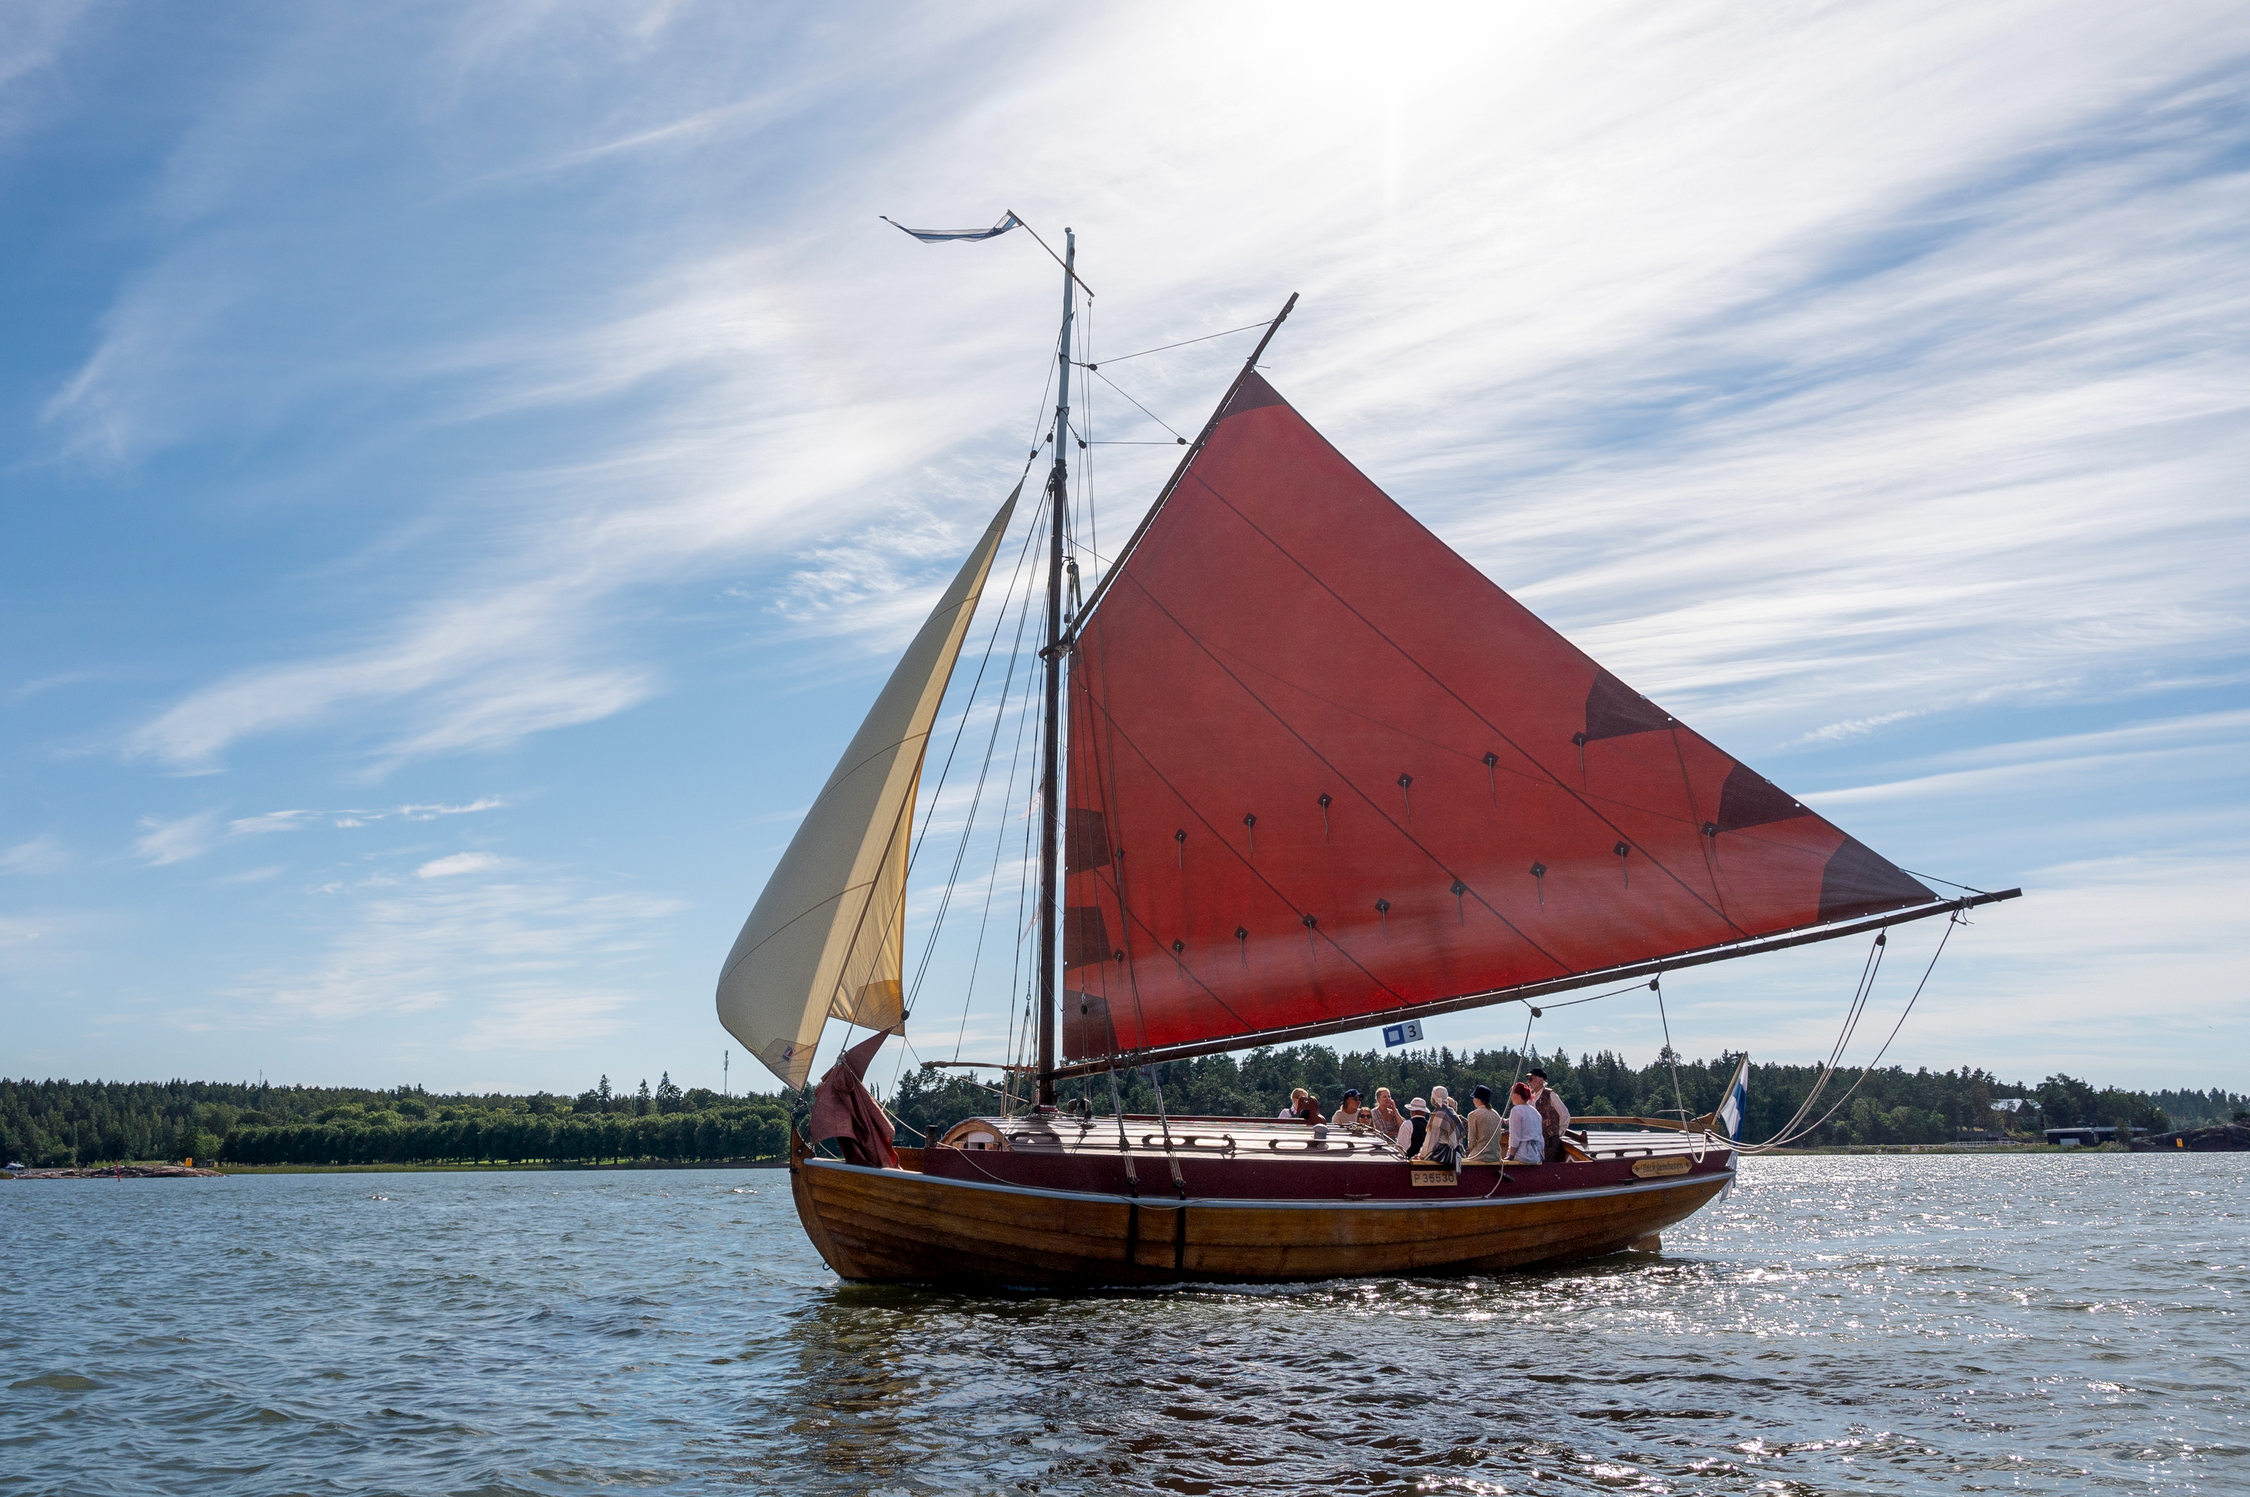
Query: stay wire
1869 1069
1144 410
976 799
1248 327
999 847
961 726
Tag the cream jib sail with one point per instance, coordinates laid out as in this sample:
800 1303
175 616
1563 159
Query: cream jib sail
825 938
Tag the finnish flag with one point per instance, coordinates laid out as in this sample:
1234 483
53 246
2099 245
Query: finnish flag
942 236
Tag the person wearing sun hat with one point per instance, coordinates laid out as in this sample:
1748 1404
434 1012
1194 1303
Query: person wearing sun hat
1443 1143
1416 1131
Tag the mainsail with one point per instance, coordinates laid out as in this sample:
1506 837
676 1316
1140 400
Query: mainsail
1321 769
825 938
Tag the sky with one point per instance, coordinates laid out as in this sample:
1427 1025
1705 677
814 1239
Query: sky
466 469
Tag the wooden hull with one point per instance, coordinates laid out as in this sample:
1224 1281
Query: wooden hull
906 1226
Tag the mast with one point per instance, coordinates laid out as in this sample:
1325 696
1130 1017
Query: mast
1050 807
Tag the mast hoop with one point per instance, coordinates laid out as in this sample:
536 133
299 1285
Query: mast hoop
1525 992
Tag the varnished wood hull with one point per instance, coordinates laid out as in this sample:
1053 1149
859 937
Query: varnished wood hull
908 1227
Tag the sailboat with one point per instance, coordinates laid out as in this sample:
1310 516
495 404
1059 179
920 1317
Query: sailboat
1303 770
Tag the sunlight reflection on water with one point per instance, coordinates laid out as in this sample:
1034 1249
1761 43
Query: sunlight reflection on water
1926 1324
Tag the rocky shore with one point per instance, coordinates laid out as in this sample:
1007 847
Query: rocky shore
2221 1138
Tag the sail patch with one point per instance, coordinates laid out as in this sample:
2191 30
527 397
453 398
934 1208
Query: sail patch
1750 799
1614 709
1859 880
1085 935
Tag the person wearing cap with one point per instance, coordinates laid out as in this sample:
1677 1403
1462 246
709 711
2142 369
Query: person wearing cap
1417 1129
1484 1132
1554 1117
1349 1114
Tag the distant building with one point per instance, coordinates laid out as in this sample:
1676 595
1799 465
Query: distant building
2086 1135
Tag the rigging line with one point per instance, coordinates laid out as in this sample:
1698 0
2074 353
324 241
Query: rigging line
1949 883
1144 410
961 726
1221 838
1023 888
1670 1055
1059 260
1499 732
1851 1023
1868 1069
1086 397
999 846
1633 987
1183 343
1125 917
976 800
1372 803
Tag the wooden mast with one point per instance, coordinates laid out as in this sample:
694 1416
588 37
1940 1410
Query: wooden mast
1050 805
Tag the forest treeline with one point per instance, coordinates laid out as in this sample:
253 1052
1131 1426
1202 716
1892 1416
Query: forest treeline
1889 1106
49 1123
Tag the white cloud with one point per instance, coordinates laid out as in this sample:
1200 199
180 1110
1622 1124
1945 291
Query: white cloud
458 863
43 854
289 821
530 965
178 840
271 821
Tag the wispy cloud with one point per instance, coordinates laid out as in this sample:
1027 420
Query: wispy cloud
43 854
290 821
176 841
532 964
458 863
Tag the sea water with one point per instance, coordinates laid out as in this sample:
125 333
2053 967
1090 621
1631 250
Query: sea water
1948 1323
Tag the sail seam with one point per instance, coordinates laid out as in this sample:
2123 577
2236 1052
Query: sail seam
1413 841
1249 867
1469 707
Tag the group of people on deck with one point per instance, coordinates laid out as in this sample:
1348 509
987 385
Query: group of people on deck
1529 1132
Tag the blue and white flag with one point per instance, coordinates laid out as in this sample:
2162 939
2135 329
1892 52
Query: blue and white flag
1737 1103
941 236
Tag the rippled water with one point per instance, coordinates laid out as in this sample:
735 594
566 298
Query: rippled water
1954 1324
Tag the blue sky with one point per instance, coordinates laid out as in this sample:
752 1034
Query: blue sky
466 468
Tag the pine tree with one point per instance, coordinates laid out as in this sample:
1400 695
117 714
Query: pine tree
640 1103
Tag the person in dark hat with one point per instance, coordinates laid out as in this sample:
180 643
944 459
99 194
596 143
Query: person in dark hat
1554 1117
1484 1142
1349 1114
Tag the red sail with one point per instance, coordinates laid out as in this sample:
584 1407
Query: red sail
1321 768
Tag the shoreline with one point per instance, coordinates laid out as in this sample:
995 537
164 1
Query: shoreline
145 1171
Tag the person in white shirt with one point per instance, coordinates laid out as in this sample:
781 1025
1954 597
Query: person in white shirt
1527 1139
1554 1117
1350 1114
1296 1104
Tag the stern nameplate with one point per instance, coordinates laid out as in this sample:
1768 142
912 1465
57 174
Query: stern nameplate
1649 1168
